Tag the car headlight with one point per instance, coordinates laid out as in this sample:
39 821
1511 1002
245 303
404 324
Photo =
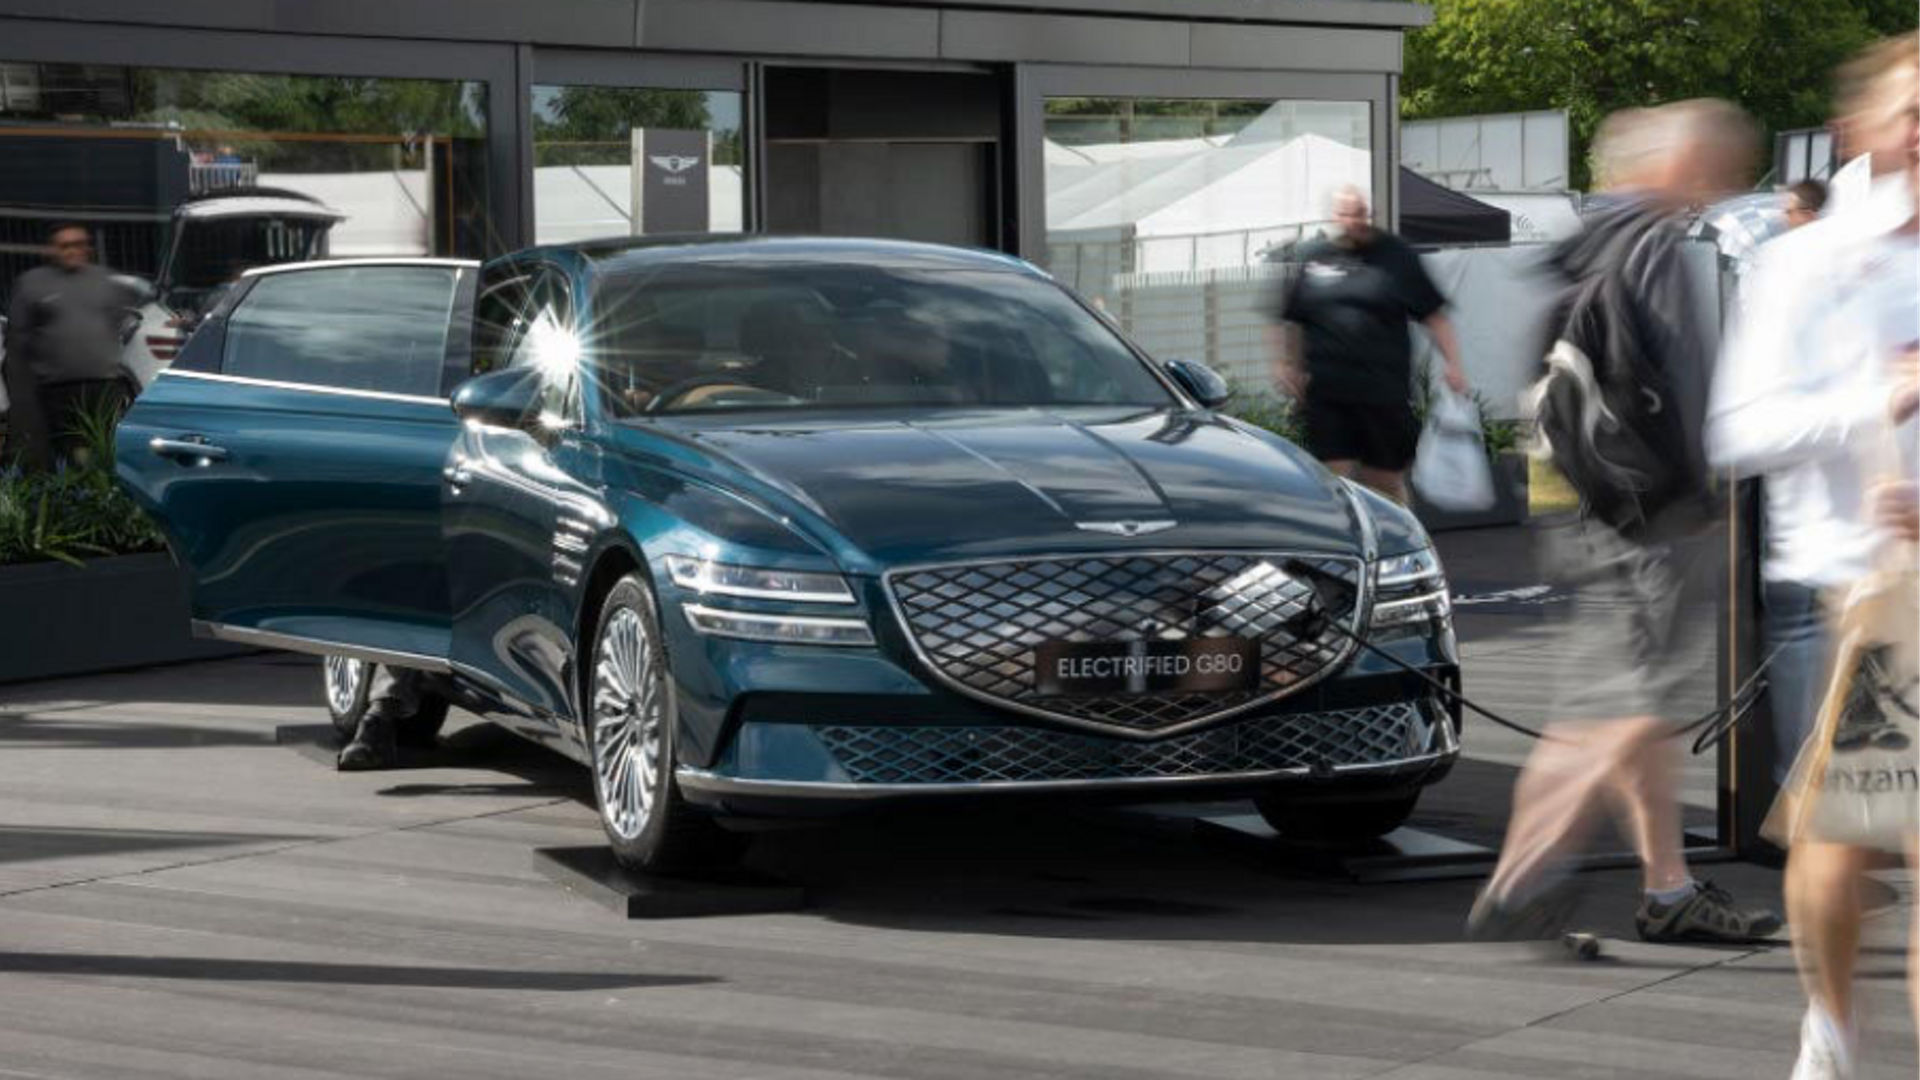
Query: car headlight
712 579
780 629
722 579
1408 590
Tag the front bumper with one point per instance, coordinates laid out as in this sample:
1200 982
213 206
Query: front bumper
787 767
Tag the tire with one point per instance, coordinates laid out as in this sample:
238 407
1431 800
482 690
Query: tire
632 740
345 683
1336 824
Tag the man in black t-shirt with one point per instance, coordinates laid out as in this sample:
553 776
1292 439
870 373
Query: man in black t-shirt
1351 369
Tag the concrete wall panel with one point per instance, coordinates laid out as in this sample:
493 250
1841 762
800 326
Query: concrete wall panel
760 26
975 35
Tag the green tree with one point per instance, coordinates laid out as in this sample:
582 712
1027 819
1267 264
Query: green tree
297 123
1591 57
591 125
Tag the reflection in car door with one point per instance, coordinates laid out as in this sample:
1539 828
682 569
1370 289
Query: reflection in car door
521 506
294 452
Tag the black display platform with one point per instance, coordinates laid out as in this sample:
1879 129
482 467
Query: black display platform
1402 855
591 872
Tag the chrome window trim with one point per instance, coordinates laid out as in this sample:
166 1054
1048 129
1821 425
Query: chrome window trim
1356 626
272 639
374 260
312 388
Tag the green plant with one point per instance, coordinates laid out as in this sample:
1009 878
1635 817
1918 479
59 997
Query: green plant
77 511
1265 410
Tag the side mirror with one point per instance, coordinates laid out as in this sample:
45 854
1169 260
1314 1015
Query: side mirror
1201 382
499 398
141 289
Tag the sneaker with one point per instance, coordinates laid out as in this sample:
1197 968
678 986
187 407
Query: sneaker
1825 1050
373 746
1709 914
1545 915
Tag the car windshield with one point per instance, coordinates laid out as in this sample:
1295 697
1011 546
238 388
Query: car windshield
805 336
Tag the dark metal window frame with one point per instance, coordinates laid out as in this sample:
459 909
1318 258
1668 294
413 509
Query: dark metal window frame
495 66
1035 83
637 70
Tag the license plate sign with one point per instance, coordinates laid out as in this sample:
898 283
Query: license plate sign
1219 665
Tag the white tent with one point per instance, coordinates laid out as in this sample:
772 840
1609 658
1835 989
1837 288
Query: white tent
1196 204
1537 216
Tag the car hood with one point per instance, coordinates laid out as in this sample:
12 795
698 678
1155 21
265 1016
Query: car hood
931 487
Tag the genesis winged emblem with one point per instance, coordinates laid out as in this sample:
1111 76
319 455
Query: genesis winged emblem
675 163
1125 528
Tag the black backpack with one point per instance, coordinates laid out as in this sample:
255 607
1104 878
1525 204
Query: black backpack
1606 404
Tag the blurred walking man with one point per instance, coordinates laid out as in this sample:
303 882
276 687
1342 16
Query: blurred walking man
1805 200
1352 297
1631 340
63 347
1822 362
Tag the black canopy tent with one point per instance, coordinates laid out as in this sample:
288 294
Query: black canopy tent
1431 214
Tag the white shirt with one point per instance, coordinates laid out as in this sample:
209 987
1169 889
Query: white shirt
1803 385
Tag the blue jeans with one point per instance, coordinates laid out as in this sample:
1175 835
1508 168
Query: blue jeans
1798 675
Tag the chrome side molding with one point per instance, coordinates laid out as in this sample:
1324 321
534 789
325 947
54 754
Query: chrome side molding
268 639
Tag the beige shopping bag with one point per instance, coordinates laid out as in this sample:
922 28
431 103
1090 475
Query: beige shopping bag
1857 781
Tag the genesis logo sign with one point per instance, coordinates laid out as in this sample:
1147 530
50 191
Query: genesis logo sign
1125 528
675 163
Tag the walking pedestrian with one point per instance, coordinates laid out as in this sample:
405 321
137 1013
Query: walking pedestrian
1631 339
1351 297
1805 200
1821 364
63 347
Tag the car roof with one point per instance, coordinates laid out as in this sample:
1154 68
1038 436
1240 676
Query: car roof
263 204
624 253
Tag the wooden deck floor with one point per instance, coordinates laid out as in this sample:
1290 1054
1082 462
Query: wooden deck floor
179 897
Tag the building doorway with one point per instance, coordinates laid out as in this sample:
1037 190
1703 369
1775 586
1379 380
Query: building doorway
906 155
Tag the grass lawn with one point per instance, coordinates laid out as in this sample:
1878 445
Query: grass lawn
1547 490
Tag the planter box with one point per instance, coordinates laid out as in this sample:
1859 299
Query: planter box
119 612
1509 500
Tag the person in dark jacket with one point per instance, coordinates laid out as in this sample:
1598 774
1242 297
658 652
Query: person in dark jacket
1352 298
1623 407
63 348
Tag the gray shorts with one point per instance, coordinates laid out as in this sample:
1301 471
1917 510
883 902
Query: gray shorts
1644 630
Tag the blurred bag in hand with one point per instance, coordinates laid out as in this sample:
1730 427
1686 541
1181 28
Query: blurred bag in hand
1450 466
1858 779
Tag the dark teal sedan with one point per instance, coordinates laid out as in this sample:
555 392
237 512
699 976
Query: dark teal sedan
768 527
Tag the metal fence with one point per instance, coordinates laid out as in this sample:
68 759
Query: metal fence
1217 316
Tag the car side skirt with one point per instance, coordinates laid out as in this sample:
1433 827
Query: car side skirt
268 639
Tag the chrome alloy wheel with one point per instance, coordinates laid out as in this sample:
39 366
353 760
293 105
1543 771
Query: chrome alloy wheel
629 714
344 678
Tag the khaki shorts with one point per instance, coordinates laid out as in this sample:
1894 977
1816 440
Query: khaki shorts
1643 634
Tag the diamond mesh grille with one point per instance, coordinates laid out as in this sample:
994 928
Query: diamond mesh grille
977 755
979 625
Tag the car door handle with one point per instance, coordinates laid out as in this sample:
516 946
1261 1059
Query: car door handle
191 448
